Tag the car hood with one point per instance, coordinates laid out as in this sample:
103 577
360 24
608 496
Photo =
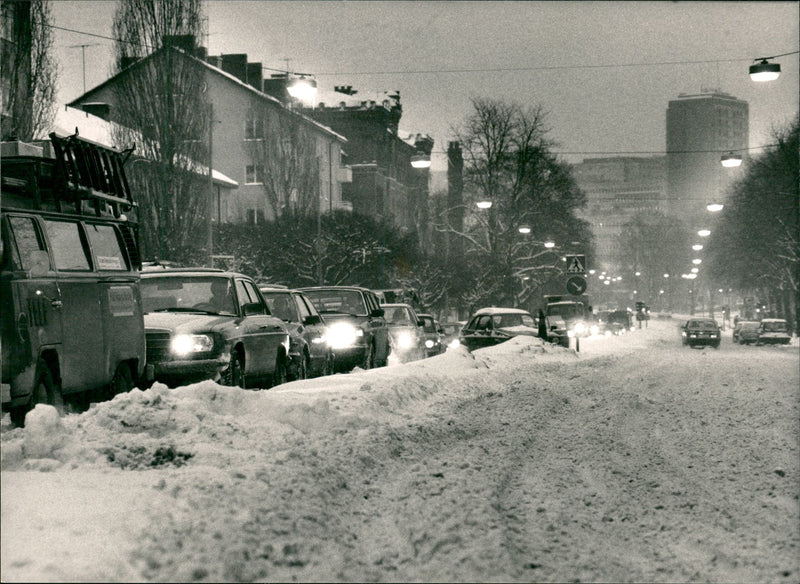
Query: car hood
186 322
331 317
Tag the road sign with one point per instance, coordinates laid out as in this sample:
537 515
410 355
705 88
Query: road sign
576 264
576 285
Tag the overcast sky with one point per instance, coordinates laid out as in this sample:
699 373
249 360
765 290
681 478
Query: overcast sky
605 71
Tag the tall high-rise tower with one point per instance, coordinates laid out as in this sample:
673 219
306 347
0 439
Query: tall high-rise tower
701 128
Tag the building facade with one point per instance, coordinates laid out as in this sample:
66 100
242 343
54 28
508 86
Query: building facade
700 129
278 157
617 189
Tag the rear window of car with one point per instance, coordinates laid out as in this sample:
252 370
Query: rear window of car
344 301
774 327
703 325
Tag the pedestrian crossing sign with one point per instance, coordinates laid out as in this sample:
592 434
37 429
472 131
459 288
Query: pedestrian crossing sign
576 264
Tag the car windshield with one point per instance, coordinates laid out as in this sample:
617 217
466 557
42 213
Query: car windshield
281 305
398 315
509 320
187 294
749 326
569 310
339 301
774 327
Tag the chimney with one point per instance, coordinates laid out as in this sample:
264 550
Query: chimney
236 65
254 77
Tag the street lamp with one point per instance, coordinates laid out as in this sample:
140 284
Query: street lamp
697 247
715 207
420 160
524 229
731 160
765 71
484 204
704 232
303 89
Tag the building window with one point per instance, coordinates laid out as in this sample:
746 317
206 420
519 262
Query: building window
255 216
253 127
254 174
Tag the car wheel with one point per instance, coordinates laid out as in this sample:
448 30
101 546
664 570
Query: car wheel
280 375
329 368
302 367
122 382
369 357
234 376
45 391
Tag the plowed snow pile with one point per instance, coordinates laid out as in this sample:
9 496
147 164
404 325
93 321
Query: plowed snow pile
634 460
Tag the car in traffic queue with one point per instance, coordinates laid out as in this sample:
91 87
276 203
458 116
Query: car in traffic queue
406 335
745 332
773 331
614 322
557 331
433 333
697 332
309 352
495 325
210 324
356 328
450 333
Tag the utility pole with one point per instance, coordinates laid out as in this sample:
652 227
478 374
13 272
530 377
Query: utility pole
210 241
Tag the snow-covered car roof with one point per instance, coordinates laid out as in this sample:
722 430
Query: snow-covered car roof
499 310
773 320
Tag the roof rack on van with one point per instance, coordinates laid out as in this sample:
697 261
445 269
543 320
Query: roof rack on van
82 177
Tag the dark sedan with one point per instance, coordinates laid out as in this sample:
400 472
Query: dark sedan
309 353
210 324
700 332
492 326
357 330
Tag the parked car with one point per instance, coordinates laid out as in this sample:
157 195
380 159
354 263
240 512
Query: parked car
210 324
745 332
309 352
357 330
434 335
773 331
451 332
700 332
406 335
492 326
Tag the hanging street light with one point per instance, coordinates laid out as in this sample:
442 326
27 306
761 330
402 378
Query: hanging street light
484 204
715 207
303 88
524 229
549 244
697 246
765 71
420 160
704 232
731 160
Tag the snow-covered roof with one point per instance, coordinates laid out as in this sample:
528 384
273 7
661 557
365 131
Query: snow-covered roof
70 120
500 310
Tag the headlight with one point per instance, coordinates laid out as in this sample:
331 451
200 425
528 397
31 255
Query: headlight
186 344
579 328
404 341
595 329
428 344
342 335
454 343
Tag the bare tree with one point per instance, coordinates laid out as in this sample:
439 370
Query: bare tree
29 70
282 150
507 161
160 107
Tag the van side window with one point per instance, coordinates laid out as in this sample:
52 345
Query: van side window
105 243
68 249
28 241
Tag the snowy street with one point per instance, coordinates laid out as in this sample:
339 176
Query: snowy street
636 459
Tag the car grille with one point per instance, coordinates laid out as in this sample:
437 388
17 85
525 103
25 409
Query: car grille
157 343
